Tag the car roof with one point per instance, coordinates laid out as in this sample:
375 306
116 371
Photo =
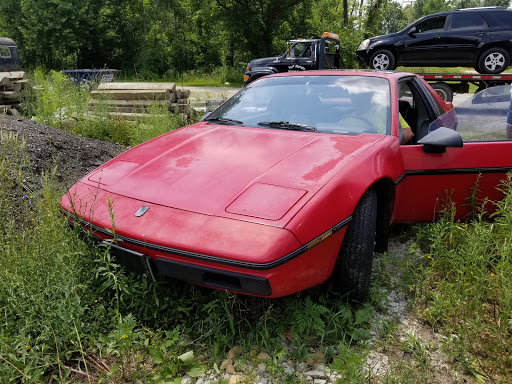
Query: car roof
391 75
303 40
478 9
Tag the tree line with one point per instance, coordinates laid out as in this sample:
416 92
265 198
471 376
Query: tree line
159 37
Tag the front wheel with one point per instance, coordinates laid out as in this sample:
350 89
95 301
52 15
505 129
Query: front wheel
354 267
383 60
494 60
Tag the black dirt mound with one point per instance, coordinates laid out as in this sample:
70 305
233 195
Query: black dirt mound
50 148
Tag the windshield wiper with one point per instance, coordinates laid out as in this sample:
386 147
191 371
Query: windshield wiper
223 120
287 125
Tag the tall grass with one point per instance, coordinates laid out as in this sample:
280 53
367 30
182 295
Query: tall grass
44 273
466 286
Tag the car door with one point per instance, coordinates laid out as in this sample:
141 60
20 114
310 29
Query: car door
423 43
463 176
304 56
467 31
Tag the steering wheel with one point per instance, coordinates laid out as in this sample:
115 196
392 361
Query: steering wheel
368 124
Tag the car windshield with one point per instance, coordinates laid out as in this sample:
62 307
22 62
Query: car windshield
330 103
482 116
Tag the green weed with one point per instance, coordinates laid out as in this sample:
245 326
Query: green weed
466 285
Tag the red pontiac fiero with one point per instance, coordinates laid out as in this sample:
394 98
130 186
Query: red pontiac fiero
293 180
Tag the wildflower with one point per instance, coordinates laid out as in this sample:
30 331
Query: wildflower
27 347
95 301
124 336
492 274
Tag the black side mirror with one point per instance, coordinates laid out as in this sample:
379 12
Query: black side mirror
437 141
412 31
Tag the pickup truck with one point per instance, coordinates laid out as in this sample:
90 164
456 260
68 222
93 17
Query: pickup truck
301 55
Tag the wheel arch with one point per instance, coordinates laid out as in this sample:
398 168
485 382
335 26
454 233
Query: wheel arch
391 48
506 45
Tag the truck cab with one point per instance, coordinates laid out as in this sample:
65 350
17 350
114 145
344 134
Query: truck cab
301 55
9 59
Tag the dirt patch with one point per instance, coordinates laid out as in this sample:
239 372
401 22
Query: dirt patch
48 147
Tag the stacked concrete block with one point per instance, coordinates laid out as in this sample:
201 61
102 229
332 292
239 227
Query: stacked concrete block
12 85
134 101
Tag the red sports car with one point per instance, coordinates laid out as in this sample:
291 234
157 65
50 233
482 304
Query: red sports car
293 180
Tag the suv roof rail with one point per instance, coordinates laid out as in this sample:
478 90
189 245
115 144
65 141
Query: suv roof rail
482 8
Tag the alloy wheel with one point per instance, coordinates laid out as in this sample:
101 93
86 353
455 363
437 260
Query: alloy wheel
381 61
494 61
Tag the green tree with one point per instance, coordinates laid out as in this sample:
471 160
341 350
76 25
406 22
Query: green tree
53 31
254 23
393 18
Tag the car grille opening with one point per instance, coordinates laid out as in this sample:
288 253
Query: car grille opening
221 281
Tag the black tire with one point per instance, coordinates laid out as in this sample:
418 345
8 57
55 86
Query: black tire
443 90
494 60
354 266
383 60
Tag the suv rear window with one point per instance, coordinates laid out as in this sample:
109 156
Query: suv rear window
467 21
499 19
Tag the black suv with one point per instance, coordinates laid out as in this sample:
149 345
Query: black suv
476 37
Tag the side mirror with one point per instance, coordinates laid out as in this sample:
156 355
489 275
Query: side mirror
437 141
412 31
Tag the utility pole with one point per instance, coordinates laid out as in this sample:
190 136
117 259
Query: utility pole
410 9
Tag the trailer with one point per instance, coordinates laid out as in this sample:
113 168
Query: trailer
446 84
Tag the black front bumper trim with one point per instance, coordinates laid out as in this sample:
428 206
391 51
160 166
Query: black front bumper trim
214 278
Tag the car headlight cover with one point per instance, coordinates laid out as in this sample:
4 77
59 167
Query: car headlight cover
364 44
266 201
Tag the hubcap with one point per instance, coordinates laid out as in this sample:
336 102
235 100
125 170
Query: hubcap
381 61
494 61
442 93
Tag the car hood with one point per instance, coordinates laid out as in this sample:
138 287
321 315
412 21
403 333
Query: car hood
230 171
263 62
383 37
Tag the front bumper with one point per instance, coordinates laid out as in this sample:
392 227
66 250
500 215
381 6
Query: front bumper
307 266
213 251
362 57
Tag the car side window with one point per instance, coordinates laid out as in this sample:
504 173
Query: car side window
501 19
467 21
414 109
487 116
433 24
301 50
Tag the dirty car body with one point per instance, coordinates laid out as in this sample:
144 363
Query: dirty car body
291 181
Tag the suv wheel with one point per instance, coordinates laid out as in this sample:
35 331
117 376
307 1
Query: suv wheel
494 60
382 59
